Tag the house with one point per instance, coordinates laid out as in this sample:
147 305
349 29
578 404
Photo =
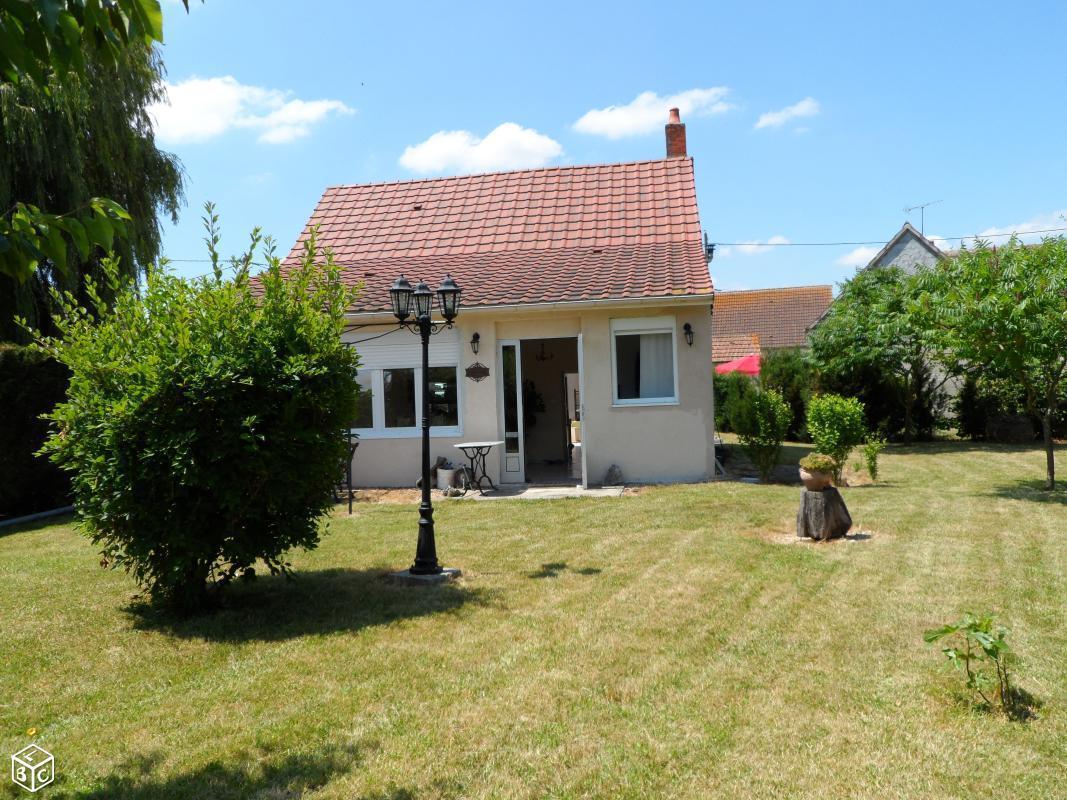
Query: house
908 250
761 320
582 288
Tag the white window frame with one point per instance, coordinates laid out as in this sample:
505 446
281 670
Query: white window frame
636 325
379 431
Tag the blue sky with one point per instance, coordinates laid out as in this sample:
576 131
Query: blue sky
808 122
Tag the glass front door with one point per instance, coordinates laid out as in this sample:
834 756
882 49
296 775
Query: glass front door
514 467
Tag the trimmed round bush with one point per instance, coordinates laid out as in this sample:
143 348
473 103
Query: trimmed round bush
837 426
204 425
761 419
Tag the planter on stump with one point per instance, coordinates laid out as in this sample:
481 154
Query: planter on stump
815 480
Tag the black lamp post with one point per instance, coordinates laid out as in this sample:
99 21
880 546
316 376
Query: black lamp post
401 294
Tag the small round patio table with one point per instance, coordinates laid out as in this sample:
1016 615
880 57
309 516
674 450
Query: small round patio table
477 474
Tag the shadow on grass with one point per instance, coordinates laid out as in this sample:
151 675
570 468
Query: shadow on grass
1032 490
66 518
740 469
250 775
967 446
276 608
794 451
556 568
1019 705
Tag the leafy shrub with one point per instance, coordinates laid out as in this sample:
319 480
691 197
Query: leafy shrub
836 425
789 372
873 448
761 419
983 404
973 408
729 389
30 385
979 646
878 390
818 462
872 346
204 423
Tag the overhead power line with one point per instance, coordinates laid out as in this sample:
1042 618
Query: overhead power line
758 244
884 241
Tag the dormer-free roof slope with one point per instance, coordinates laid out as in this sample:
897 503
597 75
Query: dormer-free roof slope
561 234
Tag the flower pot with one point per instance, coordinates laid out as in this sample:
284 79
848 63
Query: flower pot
815 481
446 477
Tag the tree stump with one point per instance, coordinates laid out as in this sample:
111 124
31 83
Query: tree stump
822 515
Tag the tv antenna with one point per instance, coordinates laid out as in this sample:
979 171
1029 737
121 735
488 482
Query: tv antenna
922 213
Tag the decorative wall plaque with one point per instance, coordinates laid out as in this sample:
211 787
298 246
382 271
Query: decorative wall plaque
477 372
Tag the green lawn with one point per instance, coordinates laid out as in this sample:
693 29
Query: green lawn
671 643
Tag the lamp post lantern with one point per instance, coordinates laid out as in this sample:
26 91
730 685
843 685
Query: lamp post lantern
401 296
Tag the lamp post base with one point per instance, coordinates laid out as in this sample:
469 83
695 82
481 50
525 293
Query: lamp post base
409 578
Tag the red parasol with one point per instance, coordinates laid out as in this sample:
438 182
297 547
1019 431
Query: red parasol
746 365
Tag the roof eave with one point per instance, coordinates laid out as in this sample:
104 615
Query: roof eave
699 299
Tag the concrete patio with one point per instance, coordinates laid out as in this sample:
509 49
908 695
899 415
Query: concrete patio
525 491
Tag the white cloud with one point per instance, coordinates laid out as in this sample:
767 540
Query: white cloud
204 108
756 247
860 257
647 112
508 146
808 107
1026 231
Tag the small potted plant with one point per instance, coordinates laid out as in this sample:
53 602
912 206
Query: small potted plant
816 471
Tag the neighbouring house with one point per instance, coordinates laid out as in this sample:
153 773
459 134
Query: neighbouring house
757 321
582 288
908 250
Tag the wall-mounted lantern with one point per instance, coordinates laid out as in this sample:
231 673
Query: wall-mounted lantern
688 334
475 342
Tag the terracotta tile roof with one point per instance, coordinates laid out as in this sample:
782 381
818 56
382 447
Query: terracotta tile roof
778 317
727 348
559 234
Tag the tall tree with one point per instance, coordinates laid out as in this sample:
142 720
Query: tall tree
39 38
1003 311
69 140
44 43
869 329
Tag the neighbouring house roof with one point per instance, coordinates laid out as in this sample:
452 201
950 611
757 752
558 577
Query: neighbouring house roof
562 234
767 318
727 348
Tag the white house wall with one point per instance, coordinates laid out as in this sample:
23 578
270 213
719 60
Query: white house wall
651 444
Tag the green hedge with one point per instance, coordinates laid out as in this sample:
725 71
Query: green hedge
31 384
790 373
733 387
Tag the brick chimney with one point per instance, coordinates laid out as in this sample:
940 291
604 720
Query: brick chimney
675 135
